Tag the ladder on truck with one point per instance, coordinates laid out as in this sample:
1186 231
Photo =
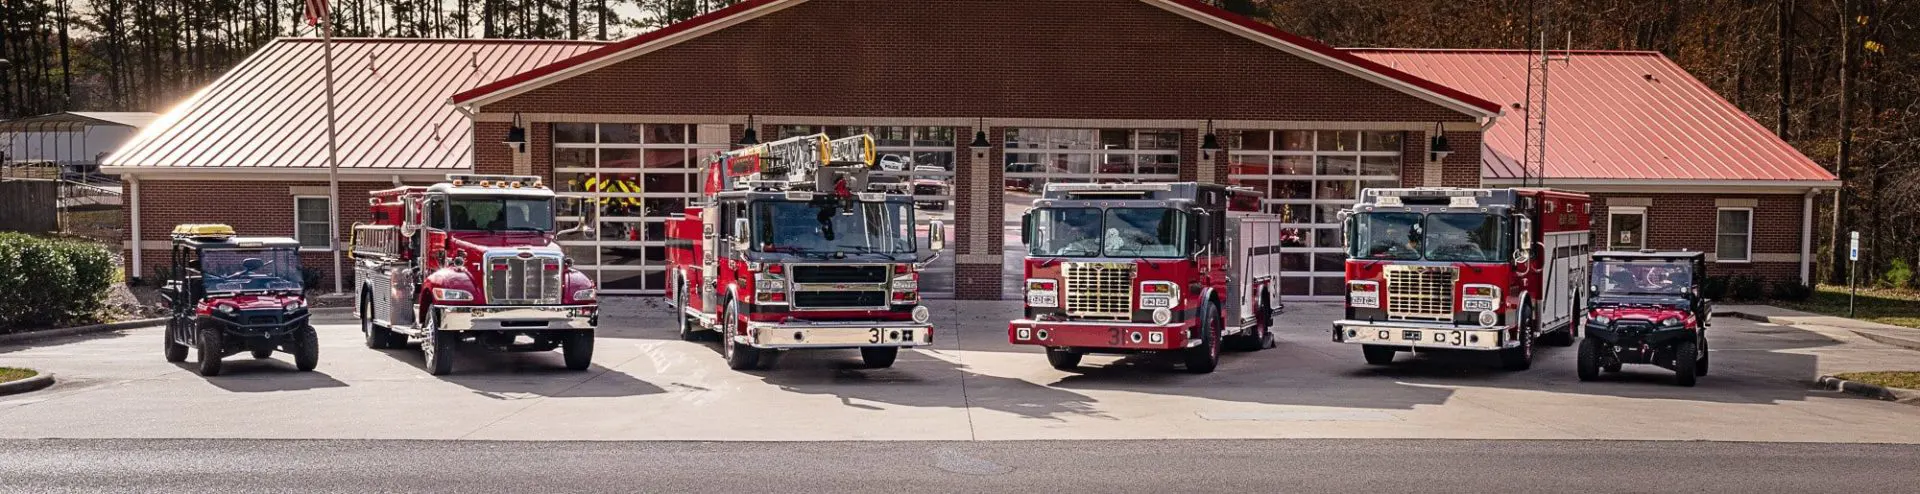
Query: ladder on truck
794 163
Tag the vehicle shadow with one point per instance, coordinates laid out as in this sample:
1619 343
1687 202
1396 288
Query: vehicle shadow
40 342
520 375
242 374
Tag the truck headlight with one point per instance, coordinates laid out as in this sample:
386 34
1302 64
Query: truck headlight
1162 315
1488 318
921 314
452 295
1671 322
1601 320
296 306
584 294
228 310
1363 294
1043 293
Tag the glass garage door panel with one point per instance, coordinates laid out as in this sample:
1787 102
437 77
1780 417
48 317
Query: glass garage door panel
636 176
1308 177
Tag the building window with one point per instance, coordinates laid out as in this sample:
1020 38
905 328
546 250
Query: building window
1035 157
1734 242
637 176
310 222
1626 228
1308 177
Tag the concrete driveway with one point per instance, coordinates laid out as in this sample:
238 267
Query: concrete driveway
648 385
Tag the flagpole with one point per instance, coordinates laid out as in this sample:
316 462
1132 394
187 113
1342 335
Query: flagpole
333 149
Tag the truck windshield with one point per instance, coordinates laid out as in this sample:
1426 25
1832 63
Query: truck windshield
1463 237
501 214
822 227
1115 232
1642 278
250 270
1447 237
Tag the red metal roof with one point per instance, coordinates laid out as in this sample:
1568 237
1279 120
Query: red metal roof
1197 6
390 105
1612 115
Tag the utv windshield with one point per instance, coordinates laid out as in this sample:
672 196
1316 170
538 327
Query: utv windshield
502 214
1641 278
1116 232
250 270
825 227
1446 237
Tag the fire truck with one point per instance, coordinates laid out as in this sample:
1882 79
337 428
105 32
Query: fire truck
793 248
472 259
1493 270
1148 267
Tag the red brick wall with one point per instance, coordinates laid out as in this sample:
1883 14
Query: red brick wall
252 208
1689 221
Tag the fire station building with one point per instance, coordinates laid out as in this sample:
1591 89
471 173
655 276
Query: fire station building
979 102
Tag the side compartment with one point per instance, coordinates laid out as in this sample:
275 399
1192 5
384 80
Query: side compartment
1254 261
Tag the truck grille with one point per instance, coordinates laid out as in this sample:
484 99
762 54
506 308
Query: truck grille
866 273
832 300
1420 293
531 280
1101 290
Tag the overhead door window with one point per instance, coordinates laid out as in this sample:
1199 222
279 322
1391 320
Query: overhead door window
1308 176
1734 242
1626 228
636 176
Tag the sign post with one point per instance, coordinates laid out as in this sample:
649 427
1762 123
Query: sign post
1853 269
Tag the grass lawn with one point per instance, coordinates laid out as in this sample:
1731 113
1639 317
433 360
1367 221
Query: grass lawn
1907 380
9 374
1896 307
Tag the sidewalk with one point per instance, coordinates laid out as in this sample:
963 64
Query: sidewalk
1871 346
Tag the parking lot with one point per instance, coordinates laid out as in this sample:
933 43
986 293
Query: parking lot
647 384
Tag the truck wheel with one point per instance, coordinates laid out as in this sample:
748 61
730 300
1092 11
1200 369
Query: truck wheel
1378 355
578 350
1686 362
1204 358
1260 337
1588 362
1063 359
879 357
739 357
306 349
1518 358
1702 368
438 347
377 337
211 346
175 351
689 330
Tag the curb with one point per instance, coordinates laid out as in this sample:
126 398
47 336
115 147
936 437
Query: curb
1874 391
34 383
1876 337
62 332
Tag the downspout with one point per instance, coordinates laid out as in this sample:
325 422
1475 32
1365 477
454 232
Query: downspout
1806 237
133 206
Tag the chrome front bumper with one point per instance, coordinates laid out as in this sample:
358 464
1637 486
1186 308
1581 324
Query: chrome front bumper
518 318
1421 335
792 335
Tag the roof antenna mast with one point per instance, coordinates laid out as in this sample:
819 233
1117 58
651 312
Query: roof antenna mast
1539 60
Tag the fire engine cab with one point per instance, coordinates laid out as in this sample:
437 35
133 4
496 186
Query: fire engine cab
1148 267
472 258
1493 270
793 248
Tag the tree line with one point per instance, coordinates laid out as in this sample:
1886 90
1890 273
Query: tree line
1838 79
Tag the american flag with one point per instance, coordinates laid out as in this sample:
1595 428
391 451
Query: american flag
316 12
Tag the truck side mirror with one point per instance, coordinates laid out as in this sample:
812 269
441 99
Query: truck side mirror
937 236
741 234
1026 228
1523 249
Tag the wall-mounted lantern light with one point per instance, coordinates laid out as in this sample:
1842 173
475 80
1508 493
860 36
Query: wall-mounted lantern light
1209 145
517 135
1437 148
980 144
750 136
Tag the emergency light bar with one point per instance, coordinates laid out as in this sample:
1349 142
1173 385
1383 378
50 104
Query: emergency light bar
493 181
1096 188
1429 192
203 231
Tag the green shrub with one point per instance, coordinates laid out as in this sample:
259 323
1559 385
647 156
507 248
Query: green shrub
1746 287
1899 274
1791 291
51 282
310 278
1714 287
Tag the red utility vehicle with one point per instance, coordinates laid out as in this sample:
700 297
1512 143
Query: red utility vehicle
1464 269
1148 267
794 249
472 258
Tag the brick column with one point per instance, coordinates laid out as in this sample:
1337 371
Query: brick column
1462 168
490 157
979 211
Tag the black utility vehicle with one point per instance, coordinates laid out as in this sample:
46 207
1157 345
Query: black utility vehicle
233 294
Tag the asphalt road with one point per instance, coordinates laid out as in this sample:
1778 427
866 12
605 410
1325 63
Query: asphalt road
1024 466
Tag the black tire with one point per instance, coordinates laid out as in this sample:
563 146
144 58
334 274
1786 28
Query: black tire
377 337
1205 358
577 348
438 348
1588 362
261 353
1063 359
1378 355
689 330
1561 338
739 357
211 344
175 351
1518 358
1705 353
879 357
306 349
1686 361
1612 368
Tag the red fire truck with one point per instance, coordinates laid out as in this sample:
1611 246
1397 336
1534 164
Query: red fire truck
1464 269
472 258
1148 267
793 248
